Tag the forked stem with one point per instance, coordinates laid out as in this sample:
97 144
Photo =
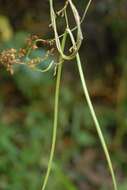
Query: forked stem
104 146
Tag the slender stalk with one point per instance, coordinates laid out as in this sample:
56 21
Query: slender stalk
97 125
57 91
101 137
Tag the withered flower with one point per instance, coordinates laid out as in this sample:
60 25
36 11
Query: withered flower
8 58
31 42
22 52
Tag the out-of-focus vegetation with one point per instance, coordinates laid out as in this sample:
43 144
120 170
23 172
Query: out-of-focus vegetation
27 98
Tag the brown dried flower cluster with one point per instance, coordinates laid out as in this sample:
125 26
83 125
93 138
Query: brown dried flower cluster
31 42
10 57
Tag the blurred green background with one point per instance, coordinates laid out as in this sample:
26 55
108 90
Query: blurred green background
27 99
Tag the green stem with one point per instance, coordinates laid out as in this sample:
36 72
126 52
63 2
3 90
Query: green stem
97 125
59 72
95 120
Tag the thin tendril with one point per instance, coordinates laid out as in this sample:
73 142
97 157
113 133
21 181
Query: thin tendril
46 69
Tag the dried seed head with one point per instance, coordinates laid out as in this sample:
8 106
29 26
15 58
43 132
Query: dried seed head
8 59
22 52
31 40
33 62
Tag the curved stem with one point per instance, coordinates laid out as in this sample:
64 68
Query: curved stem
101 137
97 125
46 69
55 115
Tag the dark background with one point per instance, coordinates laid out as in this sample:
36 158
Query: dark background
27 99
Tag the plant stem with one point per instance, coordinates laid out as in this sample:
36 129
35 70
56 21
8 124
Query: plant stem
57 91
104 146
